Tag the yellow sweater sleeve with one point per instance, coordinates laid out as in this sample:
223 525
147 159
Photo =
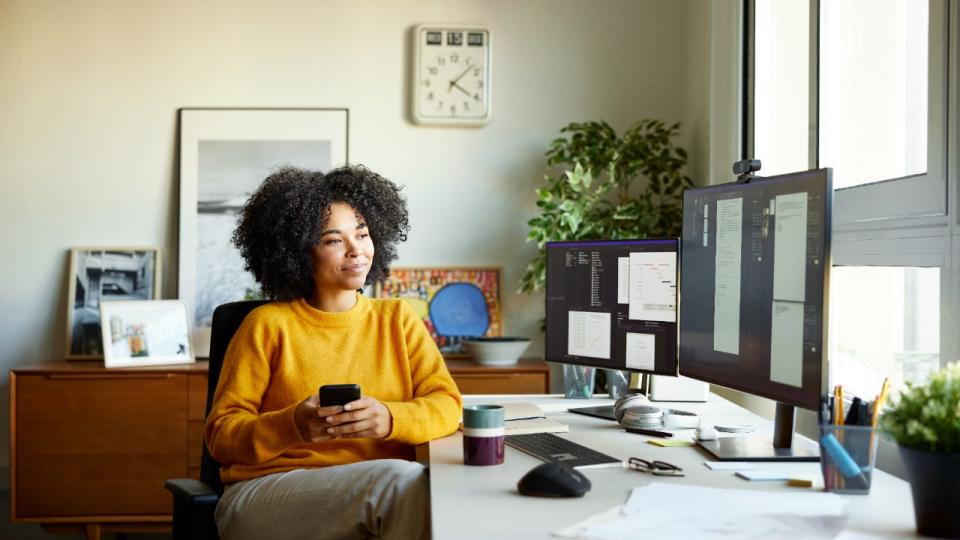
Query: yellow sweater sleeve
434 411
236 431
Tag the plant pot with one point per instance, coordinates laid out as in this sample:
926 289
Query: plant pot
935 483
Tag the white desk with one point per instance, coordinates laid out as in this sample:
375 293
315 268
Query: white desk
482 502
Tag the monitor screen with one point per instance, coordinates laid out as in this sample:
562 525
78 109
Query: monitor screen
613 304
753 289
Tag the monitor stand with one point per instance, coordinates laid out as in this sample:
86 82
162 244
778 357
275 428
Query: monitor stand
783 447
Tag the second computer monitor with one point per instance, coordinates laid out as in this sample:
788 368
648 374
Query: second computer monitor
613 304
756 260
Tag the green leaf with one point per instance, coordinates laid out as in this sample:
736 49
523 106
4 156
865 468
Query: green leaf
611 186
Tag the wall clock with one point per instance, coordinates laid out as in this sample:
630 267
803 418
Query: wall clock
451 75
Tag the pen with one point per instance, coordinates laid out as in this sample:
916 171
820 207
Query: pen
650 432
853 415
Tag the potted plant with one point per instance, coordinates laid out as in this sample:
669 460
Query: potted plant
925 422
608 186
597 192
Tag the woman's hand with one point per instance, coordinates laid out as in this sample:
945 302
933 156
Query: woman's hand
311 419
363 418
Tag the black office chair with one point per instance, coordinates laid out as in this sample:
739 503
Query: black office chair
195 501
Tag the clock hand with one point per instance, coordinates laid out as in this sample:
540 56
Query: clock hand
460 76
460 88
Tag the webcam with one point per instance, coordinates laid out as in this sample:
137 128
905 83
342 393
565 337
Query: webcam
745 168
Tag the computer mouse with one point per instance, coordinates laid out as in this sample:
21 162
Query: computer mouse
553 479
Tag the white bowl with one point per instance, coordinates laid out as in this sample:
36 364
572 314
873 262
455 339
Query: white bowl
496 351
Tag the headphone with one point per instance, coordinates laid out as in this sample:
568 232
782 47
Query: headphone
635 412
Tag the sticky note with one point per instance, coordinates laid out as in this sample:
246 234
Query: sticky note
670 443
800 482
729 465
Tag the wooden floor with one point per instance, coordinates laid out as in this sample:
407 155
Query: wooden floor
9 531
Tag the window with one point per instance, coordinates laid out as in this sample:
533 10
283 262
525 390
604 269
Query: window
884 322
873 90
861 86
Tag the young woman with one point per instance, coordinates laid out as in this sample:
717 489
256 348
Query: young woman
292 468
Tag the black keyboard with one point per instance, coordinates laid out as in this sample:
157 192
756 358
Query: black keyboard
549 447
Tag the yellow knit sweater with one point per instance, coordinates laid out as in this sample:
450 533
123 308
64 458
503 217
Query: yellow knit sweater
284 351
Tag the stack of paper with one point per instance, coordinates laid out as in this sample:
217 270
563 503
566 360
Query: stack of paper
521 417
679 511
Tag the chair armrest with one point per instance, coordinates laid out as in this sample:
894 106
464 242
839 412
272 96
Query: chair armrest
191 491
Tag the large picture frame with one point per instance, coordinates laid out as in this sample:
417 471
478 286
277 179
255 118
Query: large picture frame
454 302
150 333
224 156
115 273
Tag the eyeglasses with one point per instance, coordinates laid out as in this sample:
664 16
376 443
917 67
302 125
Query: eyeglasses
659 468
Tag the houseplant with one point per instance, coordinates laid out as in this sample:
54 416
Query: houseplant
608 186
925 422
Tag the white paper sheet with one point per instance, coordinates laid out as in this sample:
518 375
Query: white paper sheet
729 465
786 343
653 286
675 500
661 510
790 247
726 310
641 351
588 334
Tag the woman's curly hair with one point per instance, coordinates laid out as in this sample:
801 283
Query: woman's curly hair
282 222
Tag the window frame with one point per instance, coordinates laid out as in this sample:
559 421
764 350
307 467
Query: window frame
899 221
871 225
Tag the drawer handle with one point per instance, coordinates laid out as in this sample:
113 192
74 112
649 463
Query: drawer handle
127 375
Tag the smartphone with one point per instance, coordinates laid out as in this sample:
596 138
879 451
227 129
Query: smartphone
338 394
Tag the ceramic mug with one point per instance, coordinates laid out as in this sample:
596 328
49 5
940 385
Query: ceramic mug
482 435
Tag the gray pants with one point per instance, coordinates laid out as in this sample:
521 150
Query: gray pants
384 498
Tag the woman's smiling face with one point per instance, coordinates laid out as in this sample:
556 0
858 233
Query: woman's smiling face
343 257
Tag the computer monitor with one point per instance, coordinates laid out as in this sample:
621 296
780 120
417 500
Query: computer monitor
754 284
613 304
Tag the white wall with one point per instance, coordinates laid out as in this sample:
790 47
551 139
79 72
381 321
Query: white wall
89 92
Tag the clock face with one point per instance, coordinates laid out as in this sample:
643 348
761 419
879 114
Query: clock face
452 77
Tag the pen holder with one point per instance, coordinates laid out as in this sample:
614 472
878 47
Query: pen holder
847 456
578 381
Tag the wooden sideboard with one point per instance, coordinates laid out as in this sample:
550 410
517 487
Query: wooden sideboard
91 447
528 376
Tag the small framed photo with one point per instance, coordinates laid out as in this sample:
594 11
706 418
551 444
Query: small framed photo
146 333
107 274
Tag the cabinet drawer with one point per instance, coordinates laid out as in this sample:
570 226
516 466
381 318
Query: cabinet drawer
98 444
197 388
506 383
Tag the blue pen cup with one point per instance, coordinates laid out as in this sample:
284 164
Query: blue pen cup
847 457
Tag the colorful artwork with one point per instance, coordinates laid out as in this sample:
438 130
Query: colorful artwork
454 303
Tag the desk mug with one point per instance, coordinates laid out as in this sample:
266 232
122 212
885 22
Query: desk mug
482 435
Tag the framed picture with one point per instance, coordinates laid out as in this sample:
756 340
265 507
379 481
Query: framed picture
225 154
105 273
149 333
454 302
